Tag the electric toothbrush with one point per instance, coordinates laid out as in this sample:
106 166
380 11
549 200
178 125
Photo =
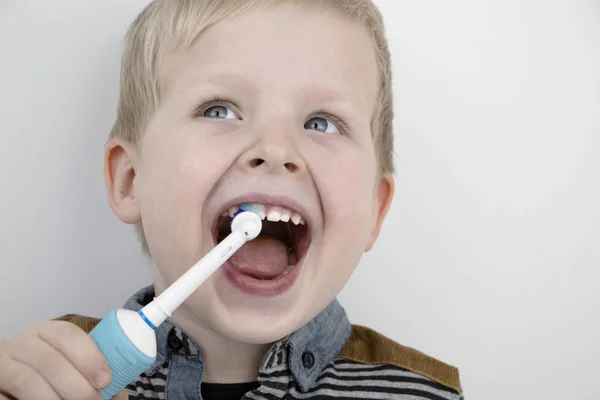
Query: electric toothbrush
126 338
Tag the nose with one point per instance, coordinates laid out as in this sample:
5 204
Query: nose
273 152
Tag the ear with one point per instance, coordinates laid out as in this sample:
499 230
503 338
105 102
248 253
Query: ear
382 199
119 178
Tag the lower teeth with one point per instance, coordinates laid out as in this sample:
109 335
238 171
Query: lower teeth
284 273
287 270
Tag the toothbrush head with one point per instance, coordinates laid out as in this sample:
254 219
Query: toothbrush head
252 207
247 222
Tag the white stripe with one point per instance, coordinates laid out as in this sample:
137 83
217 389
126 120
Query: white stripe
254 396
157 381
148 394
269 390
366 372
278 379
281 367
351 365
385 384
337 393
273 391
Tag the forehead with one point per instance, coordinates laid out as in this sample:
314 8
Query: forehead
288 47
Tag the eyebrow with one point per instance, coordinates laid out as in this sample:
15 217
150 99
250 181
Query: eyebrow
338 93
226 77
332 93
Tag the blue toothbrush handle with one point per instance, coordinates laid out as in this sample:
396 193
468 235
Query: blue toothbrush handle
129 346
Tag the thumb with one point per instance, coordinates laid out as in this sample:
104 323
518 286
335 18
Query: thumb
121 396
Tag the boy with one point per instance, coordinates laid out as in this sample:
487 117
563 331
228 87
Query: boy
283 103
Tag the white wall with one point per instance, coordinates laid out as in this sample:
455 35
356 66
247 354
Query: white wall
490 257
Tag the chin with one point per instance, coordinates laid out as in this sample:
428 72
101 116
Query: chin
256 319
256 326
260 320
258 333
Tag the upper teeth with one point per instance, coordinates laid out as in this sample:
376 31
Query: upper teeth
271 213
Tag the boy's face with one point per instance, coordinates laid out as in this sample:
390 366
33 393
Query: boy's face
272 107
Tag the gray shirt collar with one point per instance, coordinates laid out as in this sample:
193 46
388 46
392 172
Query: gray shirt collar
309 349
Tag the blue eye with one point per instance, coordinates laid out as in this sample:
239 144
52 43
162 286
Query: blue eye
322 125
219 112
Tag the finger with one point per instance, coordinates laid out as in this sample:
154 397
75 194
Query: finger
81 351
65 379
5 395
121 396
23 382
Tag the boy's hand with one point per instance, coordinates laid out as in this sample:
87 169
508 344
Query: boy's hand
52 360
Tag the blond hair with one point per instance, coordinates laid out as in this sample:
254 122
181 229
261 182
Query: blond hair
168 25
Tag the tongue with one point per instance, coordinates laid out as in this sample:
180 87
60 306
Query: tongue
262 258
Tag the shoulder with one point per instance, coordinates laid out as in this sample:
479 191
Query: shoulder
85 323
369 355
367 350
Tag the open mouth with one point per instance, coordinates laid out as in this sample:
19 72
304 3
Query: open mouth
281 245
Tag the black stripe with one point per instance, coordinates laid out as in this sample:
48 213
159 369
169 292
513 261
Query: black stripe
140 396
364 367
388 378
155 389
279 357
156 375
148 386
339 397
345 361
267 396
271 359
275 385
358 376
283 372
147 380
378 389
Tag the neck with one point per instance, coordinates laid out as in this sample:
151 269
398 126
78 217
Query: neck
225 360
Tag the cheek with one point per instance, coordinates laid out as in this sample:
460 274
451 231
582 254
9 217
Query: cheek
178 173
345 181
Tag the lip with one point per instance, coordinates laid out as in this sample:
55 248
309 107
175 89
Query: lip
248 284
263 198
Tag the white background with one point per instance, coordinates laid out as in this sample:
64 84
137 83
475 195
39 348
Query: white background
490 257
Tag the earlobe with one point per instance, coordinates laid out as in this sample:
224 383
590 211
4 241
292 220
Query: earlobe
382 199
119 178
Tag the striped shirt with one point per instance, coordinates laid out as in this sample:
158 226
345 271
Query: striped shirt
326 359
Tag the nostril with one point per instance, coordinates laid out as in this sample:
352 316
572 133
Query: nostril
256 162
291 167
